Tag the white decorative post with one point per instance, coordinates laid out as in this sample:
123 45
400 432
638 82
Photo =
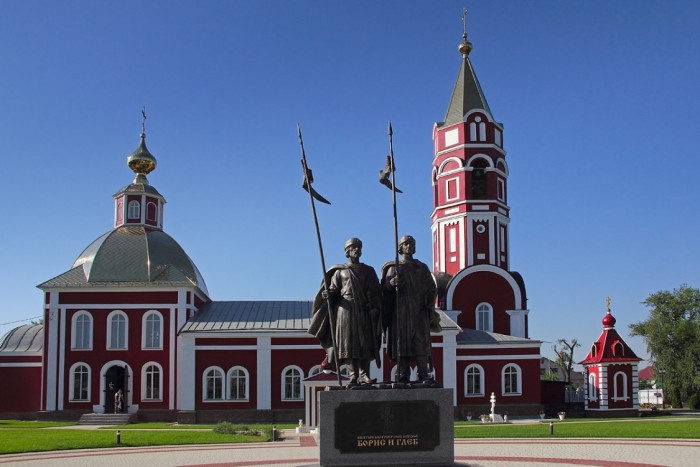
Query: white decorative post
493 406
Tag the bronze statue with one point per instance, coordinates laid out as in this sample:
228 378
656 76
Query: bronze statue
408 322
354 296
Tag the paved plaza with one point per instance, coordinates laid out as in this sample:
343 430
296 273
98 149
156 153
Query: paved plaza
302 450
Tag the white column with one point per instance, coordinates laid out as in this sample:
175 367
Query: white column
264 378
517 322
52 331
449 362
187 379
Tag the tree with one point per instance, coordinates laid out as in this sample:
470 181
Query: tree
565 355
672 335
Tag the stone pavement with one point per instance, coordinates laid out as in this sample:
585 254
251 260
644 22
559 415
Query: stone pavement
302 450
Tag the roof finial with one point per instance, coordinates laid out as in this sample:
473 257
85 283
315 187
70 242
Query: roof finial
465 47
607 301
143 121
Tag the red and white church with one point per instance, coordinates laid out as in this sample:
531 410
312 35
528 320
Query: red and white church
133 311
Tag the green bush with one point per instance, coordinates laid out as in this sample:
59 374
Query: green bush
676 402
694 401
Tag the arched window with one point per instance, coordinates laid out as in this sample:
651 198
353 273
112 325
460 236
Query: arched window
80 382
213 384
291 384
238 383
592 387
618 349
620 386
82 331
479 180
314 370
484 317
511 380
151 211
117 330
474 380
152 382
152 330
594 350
134 210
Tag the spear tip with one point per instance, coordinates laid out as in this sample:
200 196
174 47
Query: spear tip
391 132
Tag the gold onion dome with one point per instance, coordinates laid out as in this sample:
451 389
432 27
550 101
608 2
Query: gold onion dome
142 161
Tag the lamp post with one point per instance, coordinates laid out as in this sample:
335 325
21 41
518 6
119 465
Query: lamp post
663 395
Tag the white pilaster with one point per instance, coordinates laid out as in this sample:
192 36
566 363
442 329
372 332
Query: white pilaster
187 379
52 343
264 378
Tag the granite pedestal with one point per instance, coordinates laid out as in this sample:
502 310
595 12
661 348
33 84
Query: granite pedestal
386 427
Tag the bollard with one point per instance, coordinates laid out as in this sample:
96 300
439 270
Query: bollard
273 434
119 437
551 428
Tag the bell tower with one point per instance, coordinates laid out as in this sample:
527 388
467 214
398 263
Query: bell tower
470 212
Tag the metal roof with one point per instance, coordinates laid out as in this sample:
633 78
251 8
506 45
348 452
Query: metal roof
27 338
132 255
466 95
474 337
251 316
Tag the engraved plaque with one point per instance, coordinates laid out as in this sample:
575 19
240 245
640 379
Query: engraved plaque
396 426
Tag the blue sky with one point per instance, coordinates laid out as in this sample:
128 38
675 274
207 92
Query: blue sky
599 101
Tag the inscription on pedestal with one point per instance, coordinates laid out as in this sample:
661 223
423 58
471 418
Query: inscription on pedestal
367 427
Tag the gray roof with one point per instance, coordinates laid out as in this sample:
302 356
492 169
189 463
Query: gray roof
467 95
27 338
132 255
251 316
474 337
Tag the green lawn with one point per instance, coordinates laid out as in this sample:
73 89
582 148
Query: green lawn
17 436
29 440
585 428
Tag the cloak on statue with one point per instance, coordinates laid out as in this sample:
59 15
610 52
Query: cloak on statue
355 299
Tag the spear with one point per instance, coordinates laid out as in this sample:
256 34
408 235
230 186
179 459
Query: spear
313 194
390 171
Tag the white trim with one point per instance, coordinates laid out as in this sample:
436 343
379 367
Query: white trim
255 347
205 379
74 330
144 380
144 330
470 146
452 181
283 395
21 365
110 318
264 373
186 371
489 313
519 380
246 375
71 382
50 379
517 297
482 382
440 168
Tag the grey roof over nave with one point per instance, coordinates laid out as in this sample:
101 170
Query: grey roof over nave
26 338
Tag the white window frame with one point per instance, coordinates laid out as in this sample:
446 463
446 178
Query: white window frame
480 370
316 369
592 389
133 210
452 181
620 393
71 385
144 382
145 334
74 330
155 211
229 386
484 308
518 380
110 319
286 397
205 378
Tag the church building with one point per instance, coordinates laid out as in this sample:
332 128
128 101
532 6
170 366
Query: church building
133 313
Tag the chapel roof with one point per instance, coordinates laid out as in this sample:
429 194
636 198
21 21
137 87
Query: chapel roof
22 339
